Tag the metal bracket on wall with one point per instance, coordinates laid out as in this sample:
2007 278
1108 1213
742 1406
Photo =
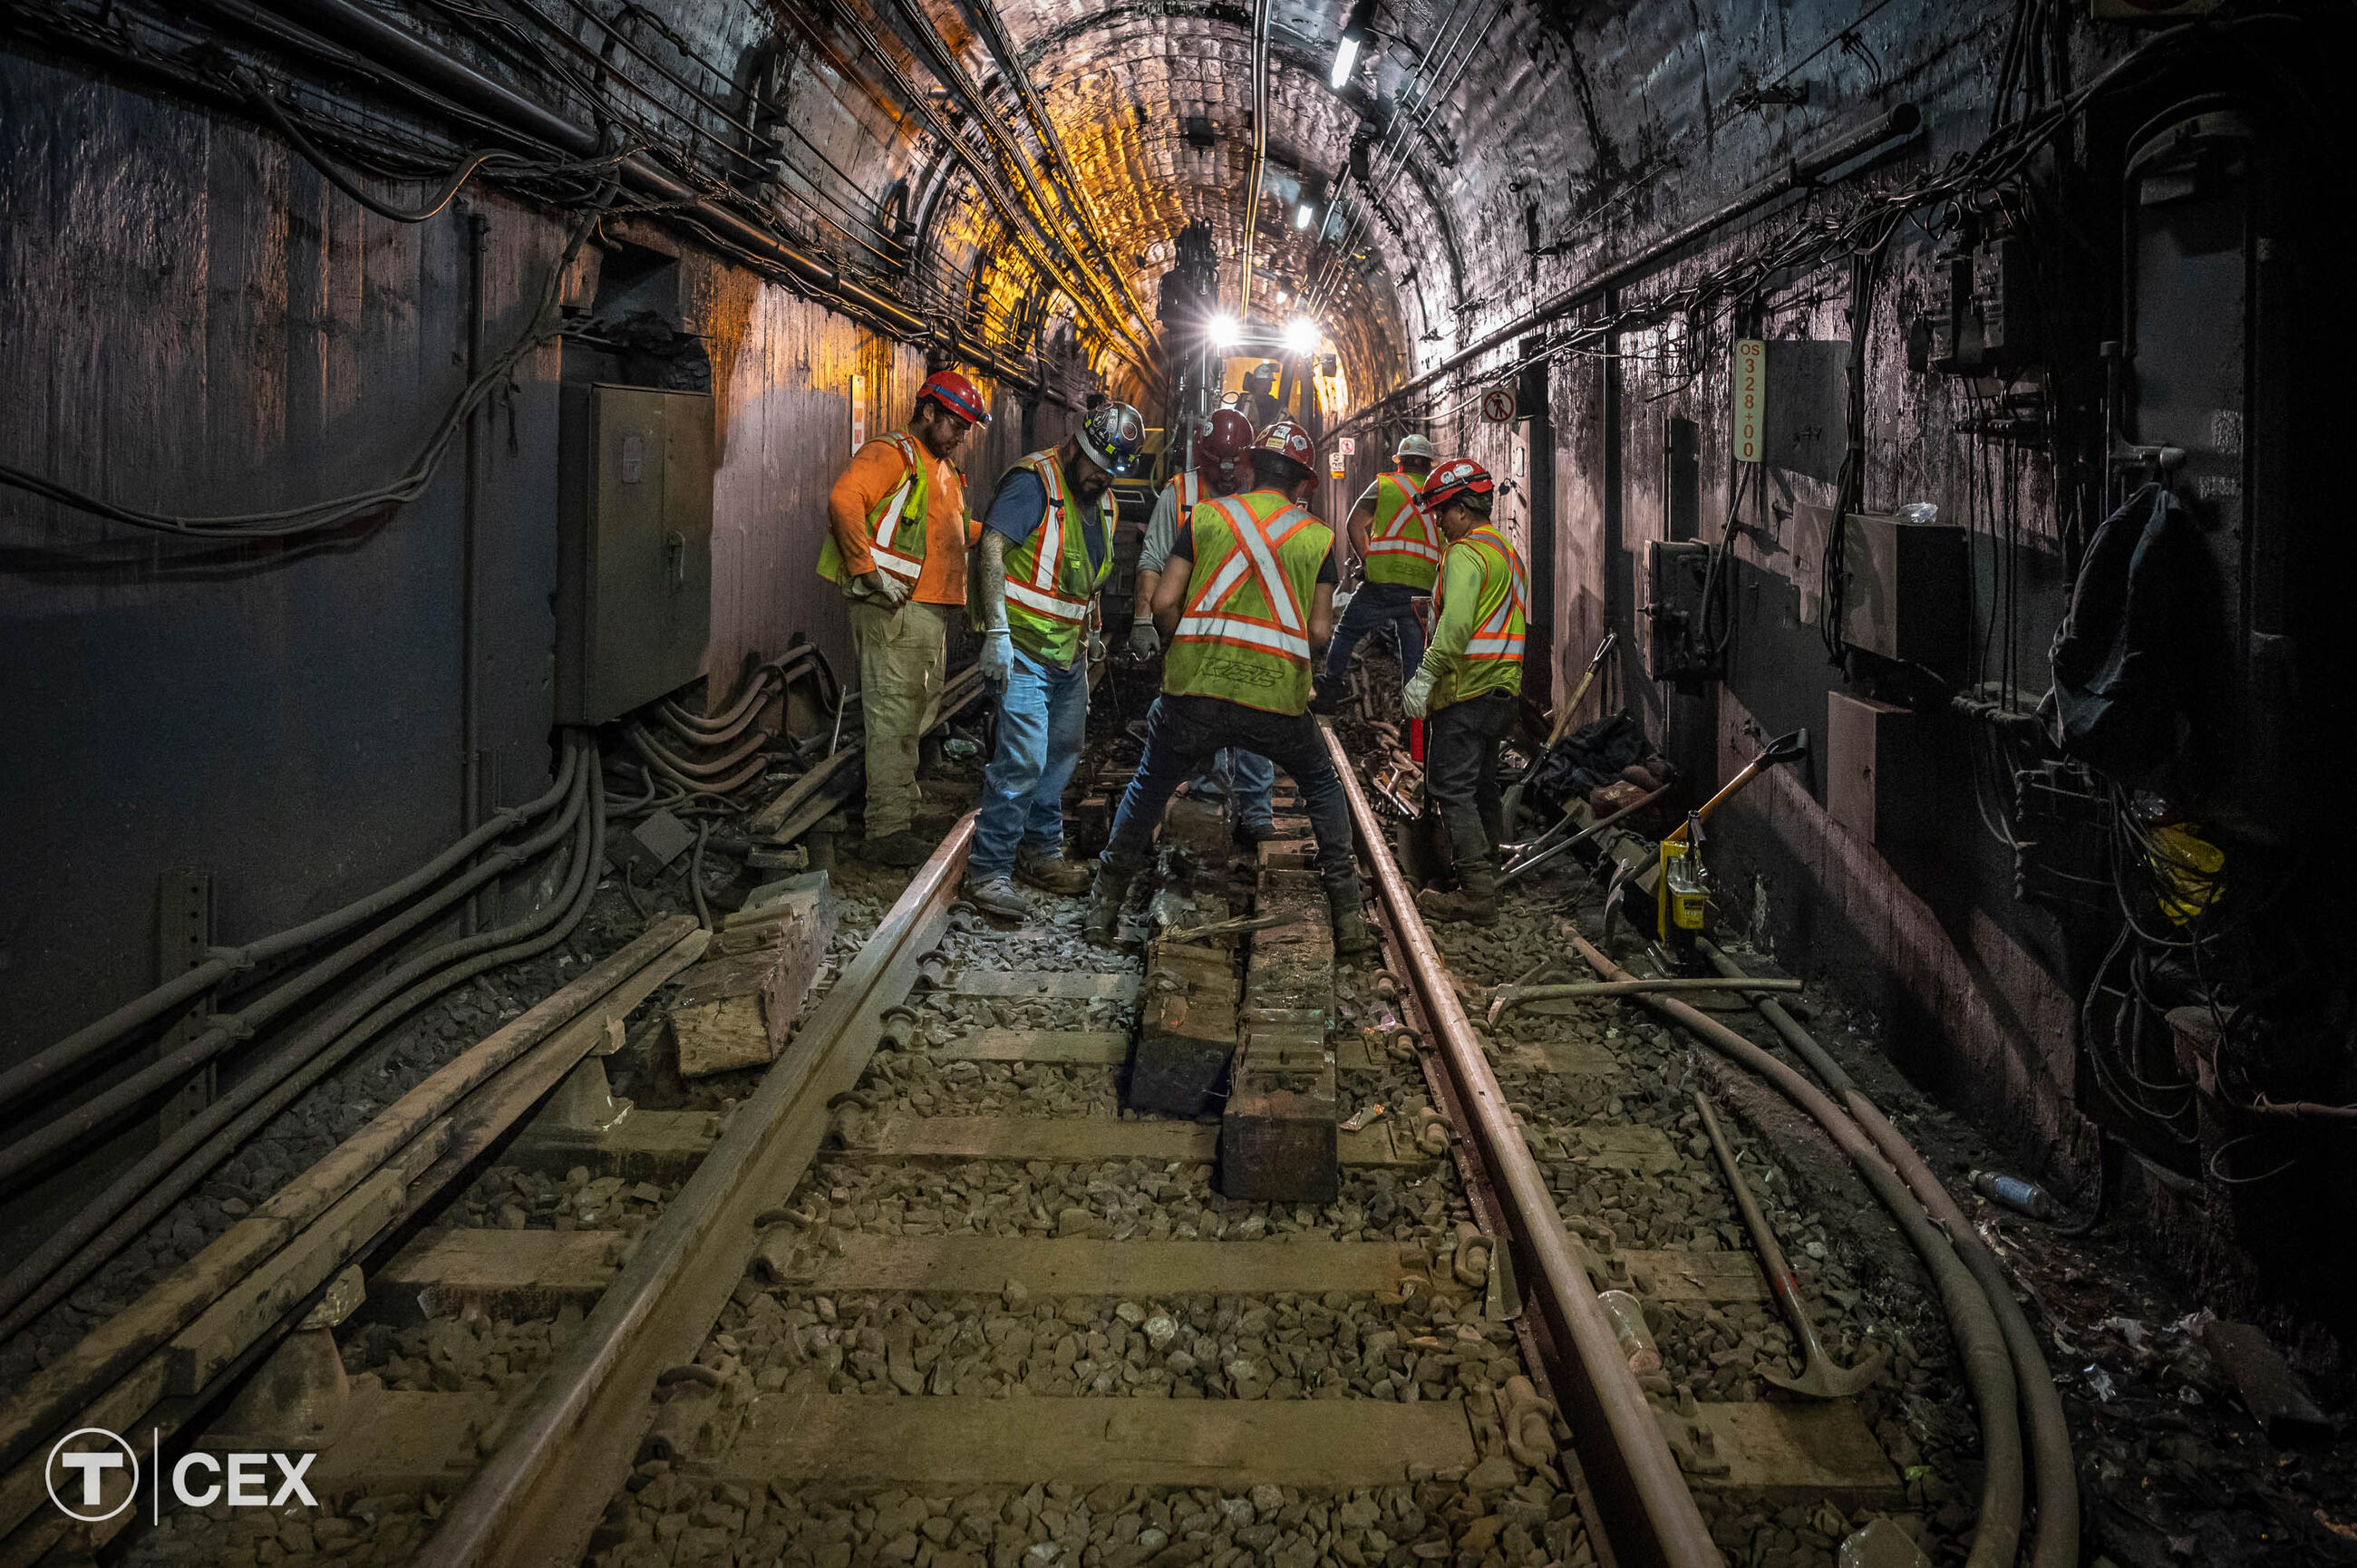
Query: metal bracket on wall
184 929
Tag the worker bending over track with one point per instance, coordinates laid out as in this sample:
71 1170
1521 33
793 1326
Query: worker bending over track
895 544
1392 533
1221 470
1047 547
1243 620
1469 684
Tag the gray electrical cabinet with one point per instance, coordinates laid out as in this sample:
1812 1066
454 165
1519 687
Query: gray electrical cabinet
1906 589
634 558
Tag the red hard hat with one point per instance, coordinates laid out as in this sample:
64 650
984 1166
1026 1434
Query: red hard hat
957 394
1454 481
1287 439
1226 437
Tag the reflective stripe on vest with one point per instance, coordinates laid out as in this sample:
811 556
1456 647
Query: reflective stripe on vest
1040 594
1405 544
1501 636
1215 618
890 547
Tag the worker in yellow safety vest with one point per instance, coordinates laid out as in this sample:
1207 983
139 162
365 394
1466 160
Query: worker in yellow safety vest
1243 619
897 539
1393 535
1467 687
1047 548
1219 469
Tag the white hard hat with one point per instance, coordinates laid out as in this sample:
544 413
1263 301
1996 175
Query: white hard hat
1414 446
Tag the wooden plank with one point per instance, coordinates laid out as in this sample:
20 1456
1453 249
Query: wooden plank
503 1274
385 1440
1386 1142
1821 1449
1676 1275
1075 1047
1028 982
1635 1148
734 1010
1071 1139
983 1265
1566 1058
958 1441
246 1312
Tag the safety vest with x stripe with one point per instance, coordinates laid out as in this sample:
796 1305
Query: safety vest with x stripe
1405 542
1245 633
1051 580
896 525
1493 654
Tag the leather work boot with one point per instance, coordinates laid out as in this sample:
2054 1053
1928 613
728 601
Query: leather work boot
1053 873
1252 835
1476 901
1106 896
998 896
1326 696
1353 937
906 849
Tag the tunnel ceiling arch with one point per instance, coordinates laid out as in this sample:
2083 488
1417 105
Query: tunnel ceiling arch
1153 104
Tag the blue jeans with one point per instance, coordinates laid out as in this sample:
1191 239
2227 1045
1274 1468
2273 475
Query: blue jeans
1042 717
1375 605
1247 778
1182 734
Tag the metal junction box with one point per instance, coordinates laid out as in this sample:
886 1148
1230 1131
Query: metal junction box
1906 590
1675 647
1877 780
634 558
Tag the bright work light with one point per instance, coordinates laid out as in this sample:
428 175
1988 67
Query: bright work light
1300 335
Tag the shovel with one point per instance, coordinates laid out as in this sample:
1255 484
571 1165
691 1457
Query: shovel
1513 799
1819 1379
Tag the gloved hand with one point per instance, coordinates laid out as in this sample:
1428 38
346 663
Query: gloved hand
891 590
1417 695
996 660
1144 640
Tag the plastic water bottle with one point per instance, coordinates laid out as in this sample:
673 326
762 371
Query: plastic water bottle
2027 1196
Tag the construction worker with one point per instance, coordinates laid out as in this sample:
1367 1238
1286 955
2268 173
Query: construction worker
1219 469
1393 536
1466 688
1047 547
897 539
1254 603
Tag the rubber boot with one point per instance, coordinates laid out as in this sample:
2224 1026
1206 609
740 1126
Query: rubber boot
1475 901
1106 896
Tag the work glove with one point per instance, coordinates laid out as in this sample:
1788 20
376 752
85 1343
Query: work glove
1416 697
997 659
884 586
1144 640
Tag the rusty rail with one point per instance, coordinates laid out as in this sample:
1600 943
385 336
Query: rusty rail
569 1448
1647 1511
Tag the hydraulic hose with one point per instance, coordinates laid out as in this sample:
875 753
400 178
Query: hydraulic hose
143 1194
1972 1319
651 746
86 1118
92 1038
2056 1543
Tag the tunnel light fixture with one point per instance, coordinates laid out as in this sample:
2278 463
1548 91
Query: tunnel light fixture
1303 214
1222 331
1357 28
1300 335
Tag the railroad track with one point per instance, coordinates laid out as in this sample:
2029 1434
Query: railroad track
929 1295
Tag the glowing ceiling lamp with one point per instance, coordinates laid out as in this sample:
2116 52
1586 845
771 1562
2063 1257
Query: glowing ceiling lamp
1355 33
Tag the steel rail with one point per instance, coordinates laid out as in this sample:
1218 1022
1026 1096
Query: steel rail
1649 1514
573 1442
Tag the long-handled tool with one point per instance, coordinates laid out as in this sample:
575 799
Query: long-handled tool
1541 852
1513 800
1644 876
1819 1379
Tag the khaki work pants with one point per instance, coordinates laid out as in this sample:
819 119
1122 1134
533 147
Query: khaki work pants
902 656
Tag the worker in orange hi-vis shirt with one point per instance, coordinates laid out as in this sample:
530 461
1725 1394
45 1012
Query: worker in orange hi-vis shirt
897 544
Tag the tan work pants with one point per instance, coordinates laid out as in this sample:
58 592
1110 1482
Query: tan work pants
902 656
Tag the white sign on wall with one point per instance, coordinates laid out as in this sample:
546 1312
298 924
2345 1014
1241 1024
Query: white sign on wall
1750 401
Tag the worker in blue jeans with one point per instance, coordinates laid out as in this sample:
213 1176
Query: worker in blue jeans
1398 545
1046 549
